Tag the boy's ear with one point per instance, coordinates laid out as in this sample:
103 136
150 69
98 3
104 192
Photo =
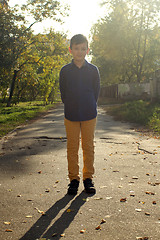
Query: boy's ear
70 50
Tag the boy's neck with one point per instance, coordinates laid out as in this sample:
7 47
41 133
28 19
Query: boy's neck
79 64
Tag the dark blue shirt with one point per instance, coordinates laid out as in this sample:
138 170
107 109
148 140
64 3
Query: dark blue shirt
79 89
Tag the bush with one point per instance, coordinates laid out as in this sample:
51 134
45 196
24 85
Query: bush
141 112
11 117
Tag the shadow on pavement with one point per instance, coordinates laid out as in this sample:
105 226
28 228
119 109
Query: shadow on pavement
44 227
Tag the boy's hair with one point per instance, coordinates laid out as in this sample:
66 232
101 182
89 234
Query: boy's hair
78 39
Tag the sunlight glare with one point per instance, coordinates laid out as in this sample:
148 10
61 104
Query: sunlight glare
83 14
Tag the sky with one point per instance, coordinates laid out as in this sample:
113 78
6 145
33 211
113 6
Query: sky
83 14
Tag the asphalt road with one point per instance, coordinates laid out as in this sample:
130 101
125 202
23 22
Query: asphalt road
33 184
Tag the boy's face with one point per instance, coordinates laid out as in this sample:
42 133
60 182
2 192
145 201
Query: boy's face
79 51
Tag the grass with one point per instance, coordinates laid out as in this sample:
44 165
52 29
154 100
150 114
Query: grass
140 112
12 117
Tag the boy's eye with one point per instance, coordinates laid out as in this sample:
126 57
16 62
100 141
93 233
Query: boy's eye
80 49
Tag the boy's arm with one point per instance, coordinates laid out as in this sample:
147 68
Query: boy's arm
96 84
62 85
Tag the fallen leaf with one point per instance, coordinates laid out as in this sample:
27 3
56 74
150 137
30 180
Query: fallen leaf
154 202
123 199
82 231
40 172
62 235
142 238
98 198
69 210
103 221
8 230
41 212
141 202
147 213
134 177
98 227
19 195
150 193
54 234
138 210
57 181
103 187
86 199
7 223
132 195
29 216
47 190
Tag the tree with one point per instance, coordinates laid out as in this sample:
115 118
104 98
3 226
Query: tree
9 36
123 41
40 66
17 38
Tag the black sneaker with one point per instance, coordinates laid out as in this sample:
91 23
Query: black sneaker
73 187
89 186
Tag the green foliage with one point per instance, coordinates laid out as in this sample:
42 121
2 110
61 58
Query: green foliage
136 111
29 64
154 121
38 77
126 42
11 117
141 112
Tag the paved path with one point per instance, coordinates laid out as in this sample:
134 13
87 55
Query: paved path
33 184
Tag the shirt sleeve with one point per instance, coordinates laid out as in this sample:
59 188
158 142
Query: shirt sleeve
62 85
96 83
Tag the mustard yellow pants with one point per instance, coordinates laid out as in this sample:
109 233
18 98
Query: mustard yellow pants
73 131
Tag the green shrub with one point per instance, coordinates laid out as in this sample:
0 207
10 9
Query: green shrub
154 121
141 112
11 117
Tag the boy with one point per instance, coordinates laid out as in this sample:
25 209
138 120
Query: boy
79 87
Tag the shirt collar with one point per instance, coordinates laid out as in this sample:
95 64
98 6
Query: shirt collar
84 65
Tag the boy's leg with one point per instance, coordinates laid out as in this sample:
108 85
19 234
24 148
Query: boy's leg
87 135
73 135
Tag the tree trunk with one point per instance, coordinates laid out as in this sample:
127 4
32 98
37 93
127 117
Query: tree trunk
12 88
